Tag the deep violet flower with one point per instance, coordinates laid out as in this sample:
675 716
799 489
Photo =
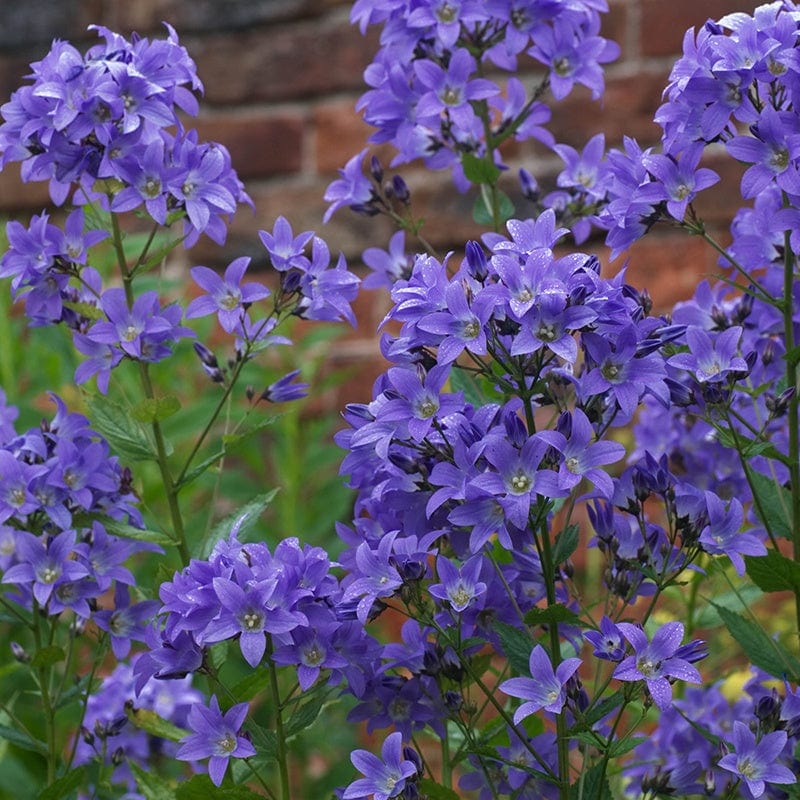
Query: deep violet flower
216 736
384 777
754 761
545 689
656 661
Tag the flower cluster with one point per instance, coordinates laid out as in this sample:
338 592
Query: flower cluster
428 95
61 488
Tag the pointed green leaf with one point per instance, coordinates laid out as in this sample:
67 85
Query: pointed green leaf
759 647
64 786
242 520
304 717
462 380
517 646
482 210
125 531
479 170
772 503
152 723
22 740
593 786
552 615
249 686
566 543
123 433
433 791
153 409
47 656
199 787
150 784
774 572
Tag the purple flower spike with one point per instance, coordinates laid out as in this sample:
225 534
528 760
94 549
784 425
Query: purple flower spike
545 689
656 661
754 762
216 736
382 778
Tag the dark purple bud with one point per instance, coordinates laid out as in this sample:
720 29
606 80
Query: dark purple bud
679 393
20 653
714 27
410 754
118 756
400 190
743 308
376 170
290 281
87 735
515 429
453 701
451 665
768 710
365 209
768 354
249 393
476 261
778 406
359 411
564 424
205 355
529 186
719 318
694 651
410 466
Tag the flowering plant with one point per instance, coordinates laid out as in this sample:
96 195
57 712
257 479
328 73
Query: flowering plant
550 569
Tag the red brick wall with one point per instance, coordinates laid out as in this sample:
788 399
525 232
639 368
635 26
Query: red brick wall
281 79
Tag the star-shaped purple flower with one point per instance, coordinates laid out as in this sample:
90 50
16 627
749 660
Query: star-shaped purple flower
215 736
656 661
545 689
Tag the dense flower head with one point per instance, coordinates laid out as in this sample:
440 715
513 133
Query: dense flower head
108 114
428 92
54 478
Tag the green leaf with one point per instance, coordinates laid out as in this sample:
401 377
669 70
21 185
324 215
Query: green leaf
566 543
594 785
151 723
86 310
64 786
242 520
479 170
197 471
22 740
596 713
153 409
200 787
123 433
772 503
622 746
517 646
435 791
160 254
462 380
125 531
47 656
482 210
762 650
150 784
552 615
249 686
303 717
793 355
774 572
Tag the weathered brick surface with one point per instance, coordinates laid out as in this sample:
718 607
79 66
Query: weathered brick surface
261 143
663 23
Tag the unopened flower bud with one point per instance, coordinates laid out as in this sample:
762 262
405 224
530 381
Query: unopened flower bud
205 355
87 735
476 261
376 170
118 756
20 653
529 186
778 406
400 190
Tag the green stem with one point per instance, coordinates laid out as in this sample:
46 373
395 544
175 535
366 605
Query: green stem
170 489
43 679
283 765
